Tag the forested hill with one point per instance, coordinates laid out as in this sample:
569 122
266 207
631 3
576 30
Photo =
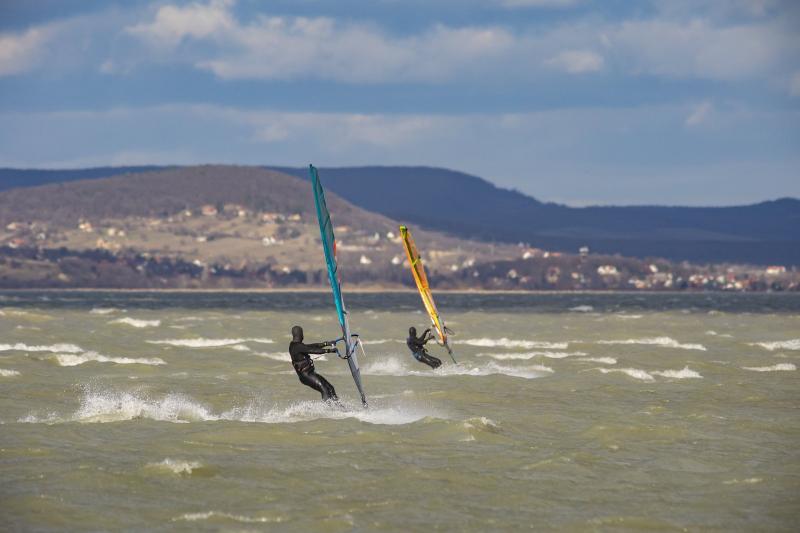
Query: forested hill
468 206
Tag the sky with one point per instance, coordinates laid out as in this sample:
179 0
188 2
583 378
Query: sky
583 102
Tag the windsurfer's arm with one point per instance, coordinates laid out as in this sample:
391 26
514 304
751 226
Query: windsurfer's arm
316 348
426 336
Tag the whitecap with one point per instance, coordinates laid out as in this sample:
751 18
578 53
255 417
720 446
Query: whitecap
208 343
509 343
378 413
628 317
780 367
529 355
103 310
394 367
176 466
685 373
601 360
137 323
239 348
665 342
793 344
65 348
66 359
8 373
193 517
582 309
632 372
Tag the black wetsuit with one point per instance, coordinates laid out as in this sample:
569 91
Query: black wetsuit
417 347
304 366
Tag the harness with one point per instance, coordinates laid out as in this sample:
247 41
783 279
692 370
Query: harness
303 366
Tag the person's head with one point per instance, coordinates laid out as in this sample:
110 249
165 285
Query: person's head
412 331
297 334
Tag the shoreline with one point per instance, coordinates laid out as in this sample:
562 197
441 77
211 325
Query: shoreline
373 290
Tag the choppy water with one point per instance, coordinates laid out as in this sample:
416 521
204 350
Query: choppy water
146 411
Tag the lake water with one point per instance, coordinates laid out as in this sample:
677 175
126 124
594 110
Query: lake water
576 412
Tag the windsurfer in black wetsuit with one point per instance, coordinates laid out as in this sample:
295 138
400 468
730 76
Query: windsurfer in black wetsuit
304 365
417 347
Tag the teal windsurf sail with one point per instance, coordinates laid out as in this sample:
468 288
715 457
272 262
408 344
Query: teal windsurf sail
351 341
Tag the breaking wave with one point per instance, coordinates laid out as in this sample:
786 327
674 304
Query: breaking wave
208 343
394 367
632 372
601 360
64 348
103 310
8 373
101 406
685 373
793 344
530 355
665 342
175 466
67 359
780 367
209 515
508 343
582 309
137 323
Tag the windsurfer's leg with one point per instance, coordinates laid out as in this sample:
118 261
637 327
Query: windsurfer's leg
331 392
311 379
431 361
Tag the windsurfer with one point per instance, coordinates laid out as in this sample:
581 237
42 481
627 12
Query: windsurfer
304 365
417 347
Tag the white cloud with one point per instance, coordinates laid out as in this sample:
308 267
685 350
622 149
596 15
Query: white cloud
577 61
22 52
320 47
174 23
699 114
697 49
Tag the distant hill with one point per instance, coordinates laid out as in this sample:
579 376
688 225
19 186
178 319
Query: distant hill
473 208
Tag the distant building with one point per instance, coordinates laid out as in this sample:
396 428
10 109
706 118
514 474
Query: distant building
775 270
208 210
583 251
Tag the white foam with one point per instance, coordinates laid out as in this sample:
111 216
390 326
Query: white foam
381 414
582 309
601 360
665 342
115 406
685 373
239 348
378 341
137 323
194 517
793 344
632 372
394 367
208 343
176 466
277 356
780 367
8 373
508 343
65 348
103 310
66 359
530 355
628 317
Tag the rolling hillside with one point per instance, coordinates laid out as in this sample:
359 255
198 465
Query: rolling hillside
472 208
